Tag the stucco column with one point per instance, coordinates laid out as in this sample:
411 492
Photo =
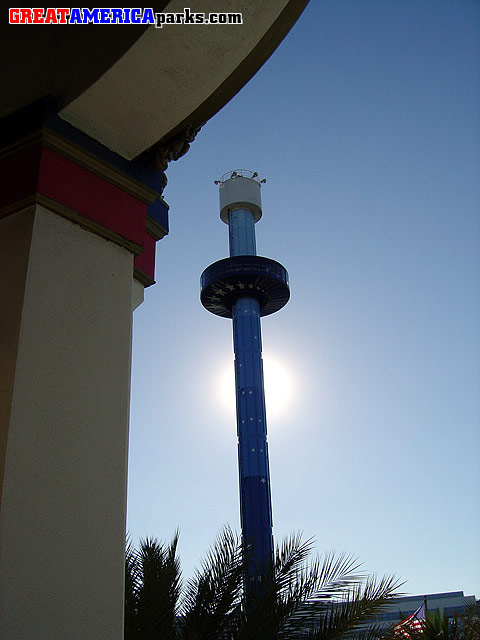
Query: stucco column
77 246
62 523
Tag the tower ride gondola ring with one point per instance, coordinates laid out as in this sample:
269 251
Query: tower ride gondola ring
225 281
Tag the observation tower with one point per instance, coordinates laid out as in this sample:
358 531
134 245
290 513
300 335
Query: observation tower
245 287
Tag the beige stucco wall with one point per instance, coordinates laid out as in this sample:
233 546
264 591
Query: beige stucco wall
62 524
174 69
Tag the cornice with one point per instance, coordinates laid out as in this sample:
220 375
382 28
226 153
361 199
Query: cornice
85 159
73 216
142 277
154 229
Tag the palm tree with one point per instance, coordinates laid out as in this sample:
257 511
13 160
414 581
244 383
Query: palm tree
152 590
325 599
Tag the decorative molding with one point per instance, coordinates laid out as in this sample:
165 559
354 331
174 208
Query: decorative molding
89 225
21 145
142 277
61 172
73 216
155 229
99 167
162 153
85 159
19 205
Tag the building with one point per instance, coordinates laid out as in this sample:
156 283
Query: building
91 114
452 603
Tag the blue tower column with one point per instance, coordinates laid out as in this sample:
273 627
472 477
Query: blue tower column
241 227
254 475
246 287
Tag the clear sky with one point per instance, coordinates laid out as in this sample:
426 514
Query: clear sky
365 123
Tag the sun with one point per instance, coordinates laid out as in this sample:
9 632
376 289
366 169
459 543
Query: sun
278 382
278 387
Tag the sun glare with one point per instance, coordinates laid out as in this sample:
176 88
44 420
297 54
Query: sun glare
278 387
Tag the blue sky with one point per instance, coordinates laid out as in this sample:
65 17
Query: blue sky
365 123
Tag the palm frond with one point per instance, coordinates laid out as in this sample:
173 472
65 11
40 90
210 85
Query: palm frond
297 590
328 598
351 616
315 586
154 580
263 613
213 595
132 584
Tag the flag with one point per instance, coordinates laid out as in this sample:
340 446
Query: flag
414 622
